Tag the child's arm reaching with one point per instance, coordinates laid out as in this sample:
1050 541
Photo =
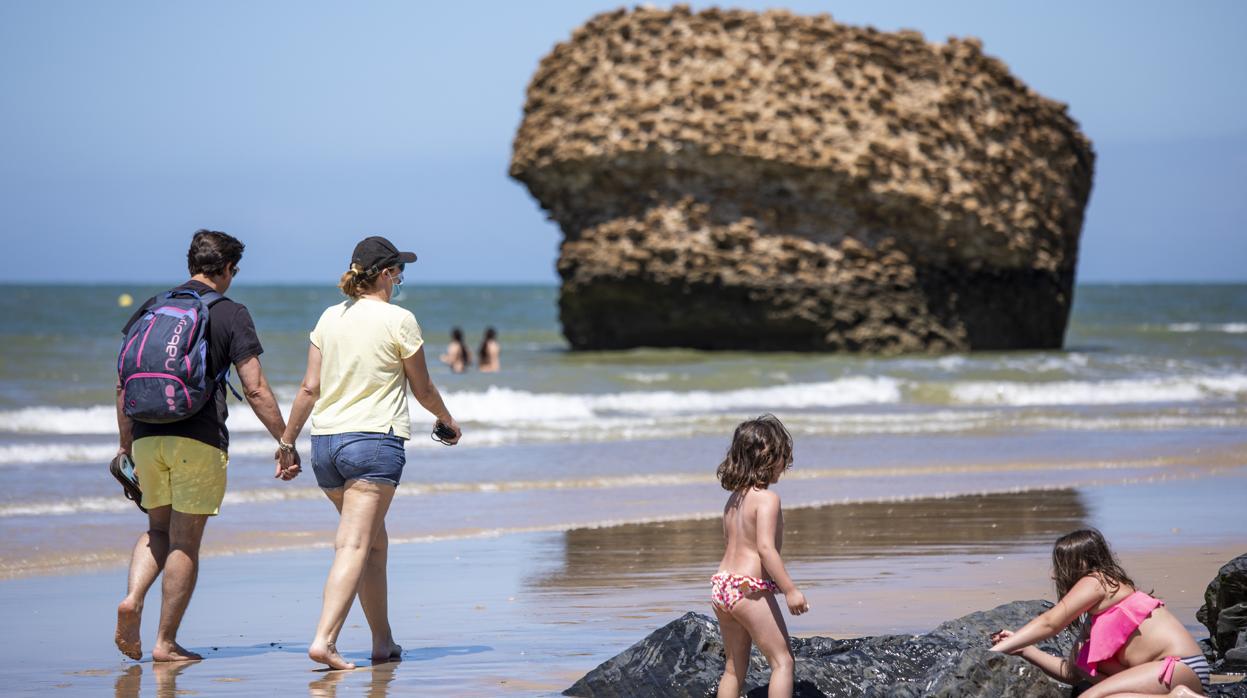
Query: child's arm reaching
1085 594
1056 667
767 527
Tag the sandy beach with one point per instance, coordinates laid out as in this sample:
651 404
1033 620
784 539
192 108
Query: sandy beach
527 613
981 261
579 514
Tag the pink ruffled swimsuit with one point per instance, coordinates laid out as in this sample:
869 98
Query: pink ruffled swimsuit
1112 628
727 588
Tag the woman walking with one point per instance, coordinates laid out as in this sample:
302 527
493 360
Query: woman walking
364 352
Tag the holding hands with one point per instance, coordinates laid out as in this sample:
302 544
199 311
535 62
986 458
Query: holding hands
288 463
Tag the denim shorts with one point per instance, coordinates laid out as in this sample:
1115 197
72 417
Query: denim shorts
357 455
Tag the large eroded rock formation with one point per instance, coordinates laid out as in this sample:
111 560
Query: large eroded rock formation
735 180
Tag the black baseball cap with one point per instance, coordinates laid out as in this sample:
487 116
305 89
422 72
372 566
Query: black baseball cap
375 253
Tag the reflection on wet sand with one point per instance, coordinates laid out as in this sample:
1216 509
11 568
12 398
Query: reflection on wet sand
129 683
626 556
379 677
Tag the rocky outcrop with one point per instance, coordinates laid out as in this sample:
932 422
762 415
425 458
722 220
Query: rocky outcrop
735 180
1224 613
685 658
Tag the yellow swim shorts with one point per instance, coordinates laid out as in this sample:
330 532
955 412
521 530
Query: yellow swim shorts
186 473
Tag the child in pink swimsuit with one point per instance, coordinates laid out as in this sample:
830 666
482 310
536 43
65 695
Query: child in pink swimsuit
752 572
1130 643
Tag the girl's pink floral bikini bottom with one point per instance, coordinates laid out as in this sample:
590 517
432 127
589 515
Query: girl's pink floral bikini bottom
727 588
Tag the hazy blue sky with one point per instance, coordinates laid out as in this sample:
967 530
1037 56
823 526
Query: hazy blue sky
302 126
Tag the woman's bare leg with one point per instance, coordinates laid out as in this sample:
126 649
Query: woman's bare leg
364 504
373 592
374 597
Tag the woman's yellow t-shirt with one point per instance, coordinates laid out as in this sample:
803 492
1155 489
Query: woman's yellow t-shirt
362 384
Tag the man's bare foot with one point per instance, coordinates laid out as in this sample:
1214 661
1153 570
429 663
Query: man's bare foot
173 652
387 653
129 620
326 653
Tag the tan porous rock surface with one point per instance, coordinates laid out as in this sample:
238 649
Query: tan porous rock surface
736 180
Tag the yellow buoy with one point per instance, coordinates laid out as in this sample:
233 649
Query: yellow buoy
125 300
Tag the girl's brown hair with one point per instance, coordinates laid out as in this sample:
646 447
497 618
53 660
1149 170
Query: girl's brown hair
761 449
1083 552
357 281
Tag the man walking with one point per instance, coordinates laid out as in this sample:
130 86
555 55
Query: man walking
181 465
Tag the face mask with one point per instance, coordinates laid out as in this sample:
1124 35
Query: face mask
398 287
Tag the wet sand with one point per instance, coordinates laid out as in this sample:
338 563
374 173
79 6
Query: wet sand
527 613
451 493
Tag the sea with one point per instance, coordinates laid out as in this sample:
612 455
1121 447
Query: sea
1152 383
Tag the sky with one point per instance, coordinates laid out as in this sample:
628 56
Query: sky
303 126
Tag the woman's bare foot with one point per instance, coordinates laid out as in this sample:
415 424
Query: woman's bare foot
387 653
326 653
129 620
1184 692
173 652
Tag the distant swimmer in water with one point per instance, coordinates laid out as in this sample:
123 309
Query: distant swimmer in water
491 352
457 355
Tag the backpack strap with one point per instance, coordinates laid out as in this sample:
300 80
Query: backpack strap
223 379
209 298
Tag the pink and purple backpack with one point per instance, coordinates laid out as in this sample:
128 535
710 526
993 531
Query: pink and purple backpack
163 364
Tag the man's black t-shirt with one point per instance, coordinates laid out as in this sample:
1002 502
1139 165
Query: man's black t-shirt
231 339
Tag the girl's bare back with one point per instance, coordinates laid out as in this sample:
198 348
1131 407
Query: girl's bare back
740 529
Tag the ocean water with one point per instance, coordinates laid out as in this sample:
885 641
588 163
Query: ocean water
1151 378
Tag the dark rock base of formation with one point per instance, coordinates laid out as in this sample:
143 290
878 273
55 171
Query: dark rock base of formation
1224 613
685 658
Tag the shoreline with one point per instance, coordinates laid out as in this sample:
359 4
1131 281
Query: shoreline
299 522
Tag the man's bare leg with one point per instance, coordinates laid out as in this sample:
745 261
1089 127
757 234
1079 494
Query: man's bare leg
146 562
181 570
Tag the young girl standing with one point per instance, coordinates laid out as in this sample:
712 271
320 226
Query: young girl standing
1130 644
752 572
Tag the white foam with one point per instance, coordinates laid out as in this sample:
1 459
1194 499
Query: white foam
1227 327
12 454
1109 392
60 420
508 406
647 377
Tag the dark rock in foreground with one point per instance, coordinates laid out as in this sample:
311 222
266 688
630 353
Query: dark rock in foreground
1224 613
685 658
1229 690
